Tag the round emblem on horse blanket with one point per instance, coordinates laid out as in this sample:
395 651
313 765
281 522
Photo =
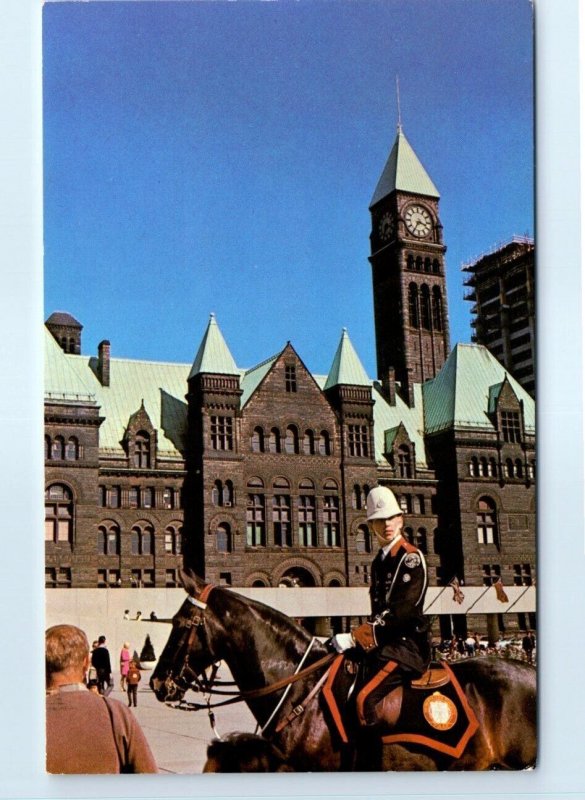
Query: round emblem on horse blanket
412 560
440 711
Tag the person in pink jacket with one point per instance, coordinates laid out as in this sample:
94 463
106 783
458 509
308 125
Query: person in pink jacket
125 658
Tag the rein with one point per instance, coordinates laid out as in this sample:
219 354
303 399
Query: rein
193 680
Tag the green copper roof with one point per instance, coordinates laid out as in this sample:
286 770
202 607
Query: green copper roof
388 418
213 355
161 386
252 378
462 395
346 368
62 382
403 172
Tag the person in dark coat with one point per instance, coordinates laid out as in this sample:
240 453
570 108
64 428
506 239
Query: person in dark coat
100 659
395 643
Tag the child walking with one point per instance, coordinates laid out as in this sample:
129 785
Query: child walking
132 681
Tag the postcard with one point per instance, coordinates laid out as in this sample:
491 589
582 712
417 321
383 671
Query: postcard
289 387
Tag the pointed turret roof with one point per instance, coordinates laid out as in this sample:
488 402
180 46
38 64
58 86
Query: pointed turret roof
346 367
403 172
213 355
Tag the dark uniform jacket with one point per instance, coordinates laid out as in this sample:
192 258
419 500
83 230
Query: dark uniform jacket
397 592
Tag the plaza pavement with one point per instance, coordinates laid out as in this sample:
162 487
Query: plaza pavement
178 738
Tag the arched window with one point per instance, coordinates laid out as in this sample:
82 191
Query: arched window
274 441
492 468
228 494
518 468
71 449
509 468
487 526
147 541
217 493
413 305
404 503
324 444
436 266
437 309
58 448
47 448
309 443
483 467
407 532
363 540
142 450
474 467
102 539
356 497
419 263
58 514
427 264
410 261
223 538
425 307
258 440
404 462
291 441
420 540
135 541
173 540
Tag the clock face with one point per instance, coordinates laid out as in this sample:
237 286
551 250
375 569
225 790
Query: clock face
386 226
418 221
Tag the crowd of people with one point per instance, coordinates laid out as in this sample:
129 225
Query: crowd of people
458 647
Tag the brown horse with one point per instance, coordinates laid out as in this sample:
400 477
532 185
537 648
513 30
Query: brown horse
261 646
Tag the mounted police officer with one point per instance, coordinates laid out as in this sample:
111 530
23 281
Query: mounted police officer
395 643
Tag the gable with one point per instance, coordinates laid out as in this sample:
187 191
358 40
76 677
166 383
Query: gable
274 398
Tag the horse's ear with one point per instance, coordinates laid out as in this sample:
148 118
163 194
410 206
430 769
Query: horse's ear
190 581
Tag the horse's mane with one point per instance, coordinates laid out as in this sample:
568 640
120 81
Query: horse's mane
286 630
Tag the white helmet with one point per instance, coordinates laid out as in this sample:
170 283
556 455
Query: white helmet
382 504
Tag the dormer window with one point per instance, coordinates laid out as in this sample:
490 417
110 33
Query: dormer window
142 450
510 426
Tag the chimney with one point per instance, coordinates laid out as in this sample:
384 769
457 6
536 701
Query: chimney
389 386
103 365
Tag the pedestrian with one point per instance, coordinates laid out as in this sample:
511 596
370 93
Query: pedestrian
153 616
528 643
100 659
133 678
126 613
125 659
395 645
244 752
86 733
470 646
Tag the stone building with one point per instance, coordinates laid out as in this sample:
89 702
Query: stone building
258 477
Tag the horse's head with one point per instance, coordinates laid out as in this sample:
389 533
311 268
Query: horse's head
189 650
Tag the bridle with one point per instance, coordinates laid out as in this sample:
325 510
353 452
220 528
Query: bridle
189 678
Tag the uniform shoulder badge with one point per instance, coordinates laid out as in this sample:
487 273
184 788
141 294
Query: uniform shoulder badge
412 560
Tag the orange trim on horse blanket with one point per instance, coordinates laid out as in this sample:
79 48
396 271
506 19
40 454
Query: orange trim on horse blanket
451 742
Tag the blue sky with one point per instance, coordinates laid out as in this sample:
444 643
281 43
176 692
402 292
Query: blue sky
221 157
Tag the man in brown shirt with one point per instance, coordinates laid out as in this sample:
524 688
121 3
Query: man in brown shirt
86 733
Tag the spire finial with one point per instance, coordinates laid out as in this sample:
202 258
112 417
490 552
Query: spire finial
398 104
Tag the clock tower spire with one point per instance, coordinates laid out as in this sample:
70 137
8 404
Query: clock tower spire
408 272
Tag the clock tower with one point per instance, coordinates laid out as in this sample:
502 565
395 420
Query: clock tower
408 272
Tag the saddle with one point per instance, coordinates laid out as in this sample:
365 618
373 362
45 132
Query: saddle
432 710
